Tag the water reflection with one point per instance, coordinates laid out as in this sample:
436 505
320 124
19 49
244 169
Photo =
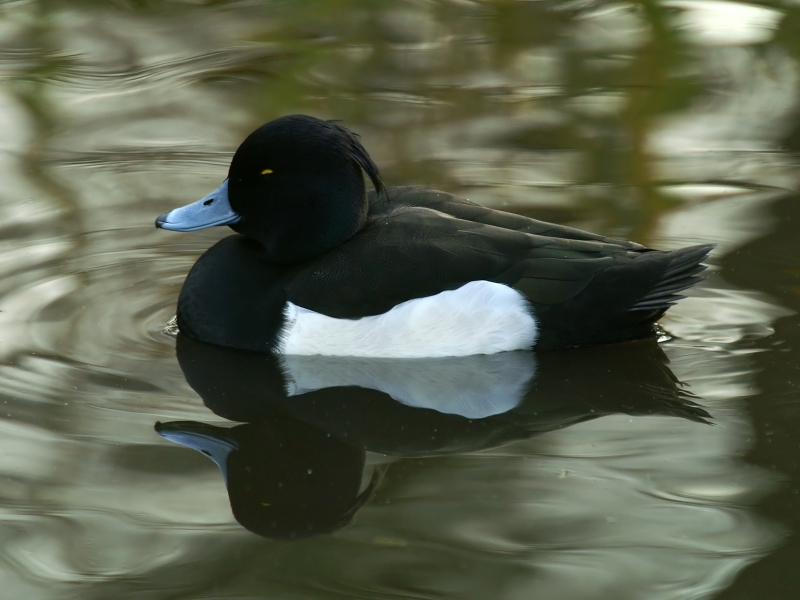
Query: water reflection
285 479
671 122
312 418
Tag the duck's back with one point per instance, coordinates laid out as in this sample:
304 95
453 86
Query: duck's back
461 208
582 288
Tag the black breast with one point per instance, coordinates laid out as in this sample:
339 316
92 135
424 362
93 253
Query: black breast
232 297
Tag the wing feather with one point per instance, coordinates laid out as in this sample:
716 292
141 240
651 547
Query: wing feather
407 252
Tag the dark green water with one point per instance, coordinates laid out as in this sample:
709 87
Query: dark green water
670 123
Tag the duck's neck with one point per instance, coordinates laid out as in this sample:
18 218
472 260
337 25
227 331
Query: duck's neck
308 226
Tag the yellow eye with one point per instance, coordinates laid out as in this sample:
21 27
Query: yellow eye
266 171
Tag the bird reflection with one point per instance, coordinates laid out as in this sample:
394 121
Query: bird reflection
285 479
295 468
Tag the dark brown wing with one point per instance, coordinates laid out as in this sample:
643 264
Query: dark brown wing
461 208
412 252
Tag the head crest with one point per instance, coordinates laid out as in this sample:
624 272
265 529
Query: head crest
352 145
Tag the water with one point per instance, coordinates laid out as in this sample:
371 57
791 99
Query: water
584 474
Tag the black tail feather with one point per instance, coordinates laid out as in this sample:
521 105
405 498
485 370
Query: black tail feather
682 273
623 301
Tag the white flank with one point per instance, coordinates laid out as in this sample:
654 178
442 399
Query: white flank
480 317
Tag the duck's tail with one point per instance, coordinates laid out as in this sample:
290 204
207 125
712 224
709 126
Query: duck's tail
682 272
624 300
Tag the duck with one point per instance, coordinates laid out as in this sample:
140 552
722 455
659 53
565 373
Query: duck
320 265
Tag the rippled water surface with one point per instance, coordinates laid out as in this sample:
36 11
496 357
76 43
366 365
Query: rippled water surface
644 470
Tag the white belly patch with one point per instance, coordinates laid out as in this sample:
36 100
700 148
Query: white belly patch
480 317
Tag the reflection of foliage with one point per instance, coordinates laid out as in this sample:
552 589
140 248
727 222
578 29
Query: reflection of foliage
29 87
589 78
432 54
649 82
788 37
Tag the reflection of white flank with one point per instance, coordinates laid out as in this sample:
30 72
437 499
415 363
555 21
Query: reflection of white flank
471 386
617 507
480 317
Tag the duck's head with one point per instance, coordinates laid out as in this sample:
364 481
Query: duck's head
295 185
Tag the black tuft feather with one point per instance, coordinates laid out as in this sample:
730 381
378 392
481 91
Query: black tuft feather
681 273
353 147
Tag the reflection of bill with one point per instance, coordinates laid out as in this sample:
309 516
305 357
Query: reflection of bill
285 479
296 468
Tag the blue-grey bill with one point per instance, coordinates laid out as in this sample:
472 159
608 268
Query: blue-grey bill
209 211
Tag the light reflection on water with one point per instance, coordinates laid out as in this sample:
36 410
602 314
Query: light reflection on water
667 122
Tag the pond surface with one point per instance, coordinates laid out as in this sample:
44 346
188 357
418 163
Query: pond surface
650 470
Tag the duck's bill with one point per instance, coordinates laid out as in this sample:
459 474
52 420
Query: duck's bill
210 211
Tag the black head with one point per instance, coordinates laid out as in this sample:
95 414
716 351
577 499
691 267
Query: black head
298 186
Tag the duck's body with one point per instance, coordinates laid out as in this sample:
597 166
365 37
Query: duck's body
404 272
